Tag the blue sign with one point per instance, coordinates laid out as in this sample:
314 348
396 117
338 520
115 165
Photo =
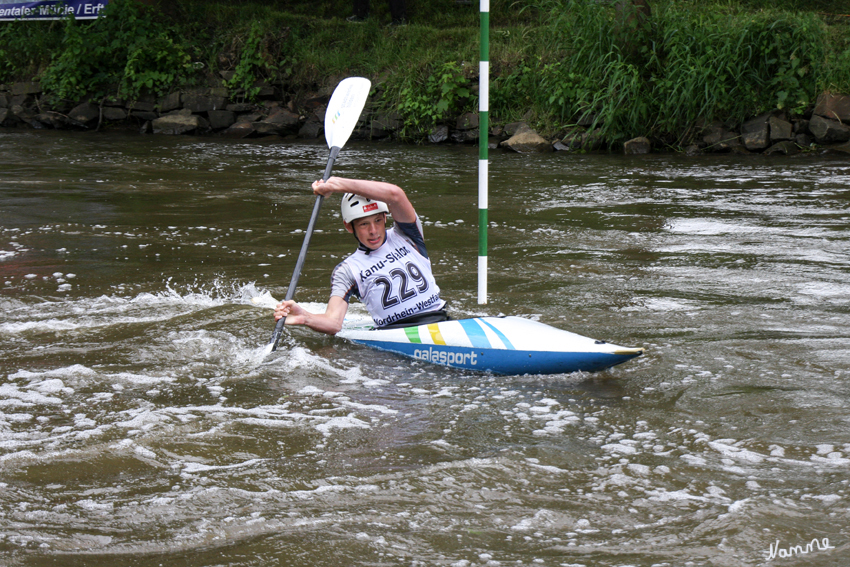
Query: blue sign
51 10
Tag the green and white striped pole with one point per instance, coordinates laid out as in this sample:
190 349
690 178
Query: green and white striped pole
483 138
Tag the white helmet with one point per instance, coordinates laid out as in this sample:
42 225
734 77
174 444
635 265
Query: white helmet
356 207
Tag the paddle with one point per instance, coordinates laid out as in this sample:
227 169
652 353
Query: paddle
343 111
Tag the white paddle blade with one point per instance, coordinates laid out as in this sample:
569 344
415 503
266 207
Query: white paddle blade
344 109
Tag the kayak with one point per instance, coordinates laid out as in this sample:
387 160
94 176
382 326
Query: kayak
501 345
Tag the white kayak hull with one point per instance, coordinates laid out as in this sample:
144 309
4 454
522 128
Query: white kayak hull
501 345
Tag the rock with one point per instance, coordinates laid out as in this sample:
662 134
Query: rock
718 138
755 132
780 129
280 123
21 113
467 121
803 140
253 117
4 113
4 100
204 103
146 116
114 101
85 113
179 112
169 102
21 100
579 139
692 150
828 131
383 125
221 119
757 140
572 140
833 107
198 103
25 101
514 128
29 88
239 130
53 119
527 141
843 148
265 129
143 105
265 90
311 129
785 147
637 146
240 107
316 102
114 114
439 134
755 124
464 136
176 124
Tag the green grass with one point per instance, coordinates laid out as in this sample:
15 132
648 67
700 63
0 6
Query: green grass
555 61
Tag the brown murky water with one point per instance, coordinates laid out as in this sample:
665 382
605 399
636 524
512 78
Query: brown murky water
141 425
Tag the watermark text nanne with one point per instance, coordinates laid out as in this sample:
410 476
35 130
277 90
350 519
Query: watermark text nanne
796 550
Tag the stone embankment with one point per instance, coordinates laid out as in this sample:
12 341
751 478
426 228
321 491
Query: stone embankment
212 111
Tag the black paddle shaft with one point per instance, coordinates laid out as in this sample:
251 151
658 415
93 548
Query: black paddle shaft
299 264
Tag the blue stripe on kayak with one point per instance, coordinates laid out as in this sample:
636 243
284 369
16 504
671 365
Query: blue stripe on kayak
475 333
501 361
499 334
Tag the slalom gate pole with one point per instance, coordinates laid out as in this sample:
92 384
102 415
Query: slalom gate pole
483 140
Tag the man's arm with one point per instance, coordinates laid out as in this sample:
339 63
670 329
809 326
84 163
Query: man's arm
399 205
329 322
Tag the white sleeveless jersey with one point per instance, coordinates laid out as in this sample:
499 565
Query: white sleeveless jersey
394 281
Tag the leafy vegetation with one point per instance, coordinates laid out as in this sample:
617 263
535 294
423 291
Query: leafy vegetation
683 64
555 62
126 53
438 96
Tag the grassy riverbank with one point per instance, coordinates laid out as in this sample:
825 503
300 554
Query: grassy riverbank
554 62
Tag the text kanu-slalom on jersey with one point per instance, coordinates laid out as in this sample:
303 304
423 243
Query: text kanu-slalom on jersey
394 281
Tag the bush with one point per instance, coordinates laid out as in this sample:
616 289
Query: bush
557 61
25 47
685 63
441 95
124 52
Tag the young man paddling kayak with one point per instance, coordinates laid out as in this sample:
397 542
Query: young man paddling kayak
390 271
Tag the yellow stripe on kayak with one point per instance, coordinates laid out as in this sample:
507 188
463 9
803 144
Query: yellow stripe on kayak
629 351
436 336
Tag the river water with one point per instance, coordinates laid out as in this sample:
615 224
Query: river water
140 423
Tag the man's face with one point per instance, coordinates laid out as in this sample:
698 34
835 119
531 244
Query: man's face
370 231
